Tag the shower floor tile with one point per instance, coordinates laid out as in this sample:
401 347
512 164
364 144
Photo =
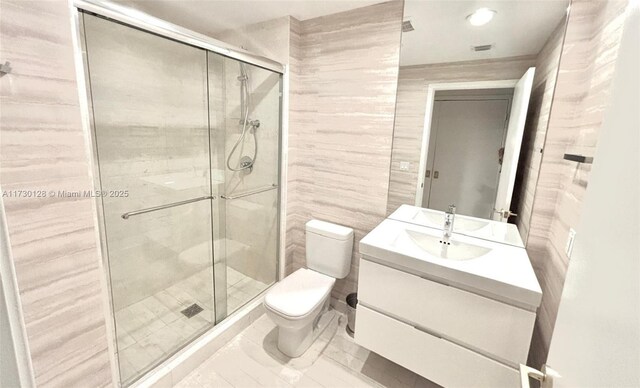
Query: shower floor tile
151 330
251 359
241 289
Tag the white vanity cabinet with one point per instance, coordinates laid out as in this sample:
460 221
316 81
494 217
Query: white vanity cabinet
449 330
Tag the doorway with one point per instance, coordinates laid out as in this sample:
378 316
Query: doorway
473 135
465 150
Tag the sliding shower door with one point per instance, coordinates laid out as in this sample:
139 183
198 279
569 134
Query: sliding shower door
150 113
187 145
244 98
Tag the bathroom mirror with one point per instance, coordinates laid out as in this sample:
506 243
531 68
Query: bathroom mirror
475 87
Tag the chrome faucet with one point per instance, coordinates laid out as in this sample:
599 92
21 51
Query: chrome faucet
449 217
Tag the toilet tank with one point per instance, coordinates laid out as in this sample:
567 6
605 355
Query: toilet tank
329 248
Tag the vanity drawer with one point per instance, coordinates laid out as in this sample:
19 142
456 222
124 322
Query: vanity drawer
436 359
480 323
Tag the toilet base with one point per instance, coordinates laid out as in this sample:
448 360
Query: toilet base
294 342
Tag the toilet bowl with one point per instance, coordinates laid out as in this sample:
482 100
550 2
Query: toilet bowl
296 303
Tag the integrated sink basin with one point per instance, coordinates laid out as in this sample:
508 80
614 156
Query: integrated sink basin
495 270
500 232
432 245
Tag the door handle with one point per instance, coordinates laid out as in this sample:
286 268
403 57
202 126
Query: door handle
505 213
436 174
545 377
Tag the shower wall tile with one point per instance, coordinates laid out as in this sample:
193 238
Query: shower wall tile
411 106
341 123
294 205
587 66
53 239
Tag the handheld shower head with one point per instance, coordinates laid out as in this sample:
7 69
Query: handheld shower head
245 163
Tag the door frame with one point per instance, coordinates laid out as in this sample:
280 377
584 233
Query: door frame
428 115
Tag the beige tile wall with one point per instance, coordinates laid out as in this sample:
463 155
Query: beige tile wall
295 206
53 239
410 110
586 67
341 123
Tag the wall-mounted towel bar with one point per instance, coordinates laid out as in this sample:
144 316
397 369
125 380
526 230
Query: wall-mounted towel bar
578 158
5 68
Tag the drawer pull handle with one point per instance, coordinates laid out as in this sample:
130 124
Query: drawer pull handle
438 281
431 333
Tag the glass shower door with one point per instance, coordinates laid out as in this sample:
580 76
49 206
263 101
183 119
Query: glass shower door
244 99
150 115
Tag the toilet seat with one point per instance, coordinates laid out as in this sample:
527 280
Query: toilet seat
298 295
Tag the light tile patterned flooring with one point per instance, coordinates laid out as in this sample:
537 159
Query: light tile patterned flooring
152 329
251 359
241 289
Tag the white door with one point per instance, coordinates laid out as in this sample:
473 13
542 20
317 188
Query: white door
596 341
468 137
512 144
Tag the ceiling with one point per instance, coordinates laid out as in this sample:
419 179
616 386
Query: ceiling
210 17
442 33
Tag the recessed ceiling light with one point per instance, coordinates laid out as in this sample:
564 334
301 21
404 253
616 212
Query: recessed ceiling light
481 16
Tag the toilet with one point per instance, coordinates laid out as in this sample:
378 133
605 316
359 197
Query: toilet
296 303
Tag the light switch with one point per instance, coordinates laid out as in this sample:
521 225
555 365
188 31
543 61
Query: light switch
404 166
569 247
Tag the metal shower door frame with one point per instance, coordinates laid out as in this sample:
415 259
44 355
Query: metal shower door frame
145 22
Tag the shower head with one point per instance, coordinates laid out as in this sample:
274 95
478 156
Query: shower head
243 73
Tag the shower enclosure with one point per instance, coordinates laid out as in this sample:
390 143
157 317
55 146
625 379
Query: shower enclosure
187 148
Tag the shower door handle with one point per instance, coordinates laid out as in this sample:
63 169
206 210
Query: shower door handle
167 206
251 192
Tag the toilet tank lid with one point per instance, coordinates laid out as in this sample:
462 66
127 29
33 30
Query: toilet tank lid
328 229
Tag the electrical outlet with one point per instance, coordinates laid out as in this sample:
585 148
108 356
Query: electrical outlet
404 166
569 247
